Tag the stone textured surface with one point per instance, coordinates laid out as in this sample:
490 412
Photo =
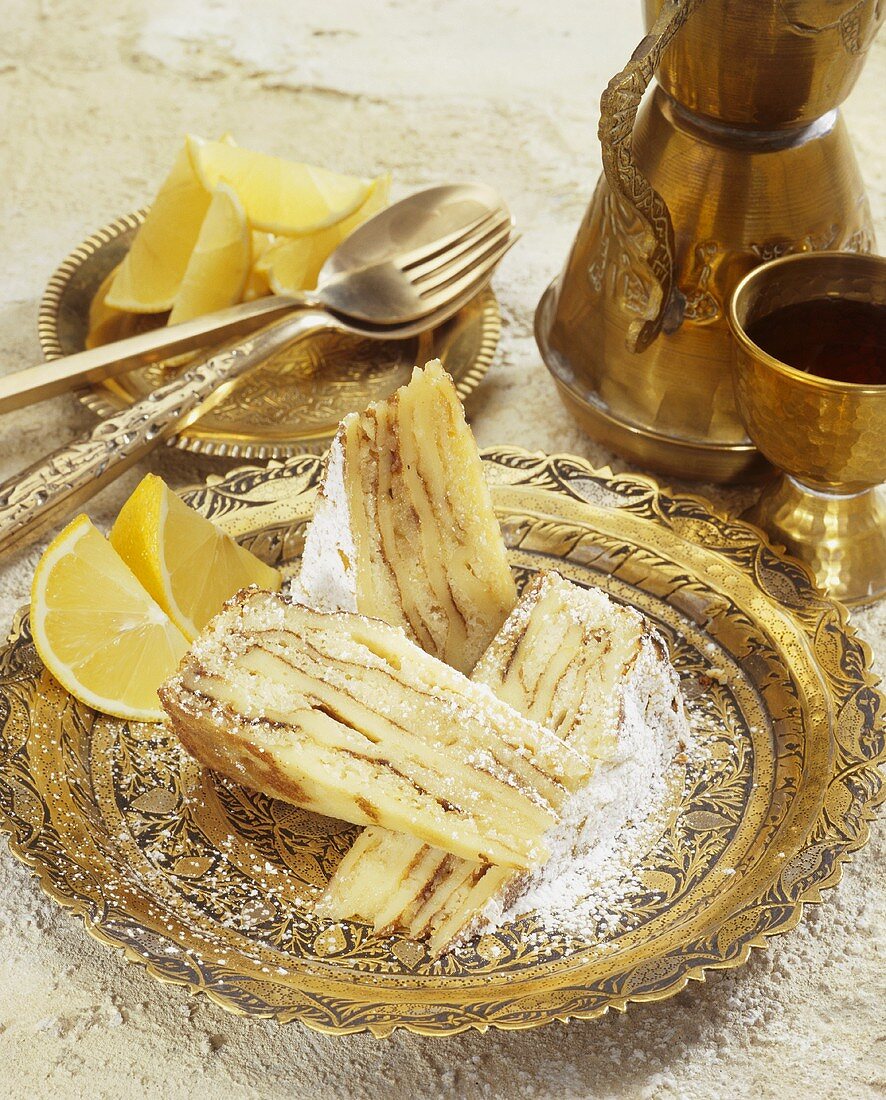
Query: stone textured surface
95 100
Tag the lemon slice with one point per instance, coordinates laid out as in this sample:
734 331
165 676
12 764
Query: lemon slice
293 264
185 562
279 196
151 273
97 630
220 262
261 242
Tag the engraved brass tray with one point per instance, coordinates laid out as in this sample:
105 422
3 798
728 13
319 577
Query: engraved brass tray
202 881
293 403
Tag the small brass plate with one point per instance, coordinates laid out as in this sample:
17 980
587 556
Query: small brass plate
293 403
200 880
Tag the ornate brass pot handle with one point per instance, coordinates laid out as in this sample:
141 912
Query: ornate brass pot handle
618 112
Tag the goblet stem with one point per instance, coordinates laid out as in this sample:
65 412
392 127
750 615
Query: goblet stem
841 536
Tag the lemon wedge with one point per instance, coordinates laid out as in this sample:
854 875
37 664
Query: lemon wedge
220 261
96 628
279 196
151 273
293 264
184 561
103 319
257 285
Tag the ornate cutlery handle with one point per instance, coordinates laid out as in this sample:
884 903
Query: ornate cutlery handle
32 501
61 375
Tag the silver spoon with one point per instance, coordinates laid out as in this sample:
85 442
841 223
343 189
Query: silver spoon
401 265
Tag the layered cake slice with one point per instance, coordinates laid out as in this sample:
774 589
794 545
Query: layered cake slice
597 675
346 716
404 529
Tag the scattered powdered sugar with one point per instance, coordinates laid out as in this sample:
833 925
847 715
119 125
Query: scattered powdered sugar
590 896
604 825
327 580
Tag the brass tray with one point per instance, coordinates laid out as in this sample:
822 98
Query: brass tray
292 404
200 880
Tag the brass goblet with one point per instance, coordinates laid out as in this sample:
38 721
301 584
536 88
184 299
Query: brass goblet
827 504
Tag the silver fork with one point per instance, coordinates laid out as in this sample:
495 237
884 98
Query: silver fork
360 284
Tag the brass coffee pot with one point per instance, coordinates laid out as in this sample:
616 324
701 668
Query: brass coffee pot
739 155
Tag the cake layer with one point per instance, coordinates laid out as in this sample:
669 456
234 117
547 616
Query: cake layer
346 716
404 528
596 674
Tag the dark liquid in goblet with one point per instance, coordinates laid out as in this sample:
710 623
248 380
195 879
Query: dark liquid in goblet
830 337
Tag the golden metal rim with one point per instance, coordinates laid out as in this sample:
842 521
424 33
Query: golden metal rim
837 836
47 317
215 444
814 381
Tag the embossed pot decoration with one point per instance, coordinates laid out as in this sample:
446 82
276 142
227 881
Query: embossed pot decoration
739 156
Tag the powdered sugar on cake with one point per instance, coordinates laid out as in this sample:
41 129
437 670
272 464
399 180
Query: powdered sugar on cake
606 824
328 580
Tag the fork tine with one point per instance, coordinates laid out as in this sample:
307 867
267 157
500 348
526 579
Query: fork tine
468 244
441 311
467 262
426 251
461 281
463 262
